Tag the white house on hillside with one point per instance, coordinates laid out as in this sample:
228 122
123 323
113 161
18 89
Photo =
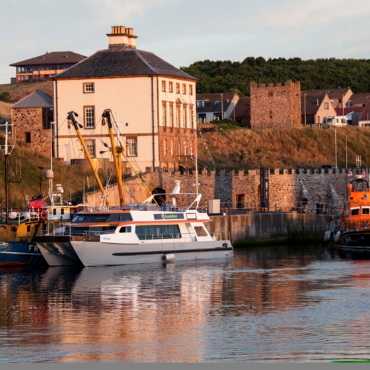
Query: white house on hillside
154 101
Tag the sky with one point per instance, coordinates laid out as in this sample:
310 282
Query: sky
183 32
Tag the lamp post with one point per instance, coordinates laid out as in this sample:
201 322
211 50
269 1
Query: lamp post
305 119
343 106
234 102
222 107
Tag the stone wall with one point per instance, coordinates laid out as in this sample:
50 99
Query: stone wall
275 106
30 120
287 187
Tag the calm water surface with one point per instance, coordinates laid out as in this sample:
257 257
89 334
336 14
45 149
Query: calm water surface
266 304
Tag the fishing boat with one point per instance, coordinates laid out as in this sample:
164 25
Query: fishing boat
135 233
353 229
18 229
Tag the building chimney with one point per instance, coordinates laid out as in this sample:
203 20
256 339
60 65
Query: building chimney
122 36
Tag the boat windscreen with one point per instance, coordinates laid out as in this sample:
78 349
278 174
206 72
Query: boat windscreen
113 217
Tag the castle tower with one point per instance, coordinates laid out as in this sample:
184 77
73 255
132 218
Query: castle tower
275 106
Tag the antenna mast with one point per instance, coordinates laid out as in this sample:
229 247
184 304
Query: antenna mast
6 150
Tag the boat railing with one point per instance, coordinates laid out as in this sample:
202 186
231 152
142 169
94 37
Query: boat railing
19 217
362 225
148 207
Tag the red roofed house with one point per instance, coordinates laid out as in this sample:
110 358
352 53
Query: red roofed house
358 100
316 107
364 120
335 95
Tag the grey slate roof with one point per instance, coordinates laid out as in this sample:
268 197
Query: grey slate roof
122 61
37 99
55 57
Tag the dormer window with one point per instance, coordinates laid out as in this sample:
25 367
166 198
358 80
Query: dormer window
217 102
200 103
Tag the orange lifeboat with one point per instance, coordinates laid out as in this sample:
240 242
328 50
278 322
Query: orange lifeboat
354 223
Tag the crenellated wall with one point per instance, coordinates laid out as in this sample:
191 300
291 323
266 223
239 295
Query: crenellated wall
287 187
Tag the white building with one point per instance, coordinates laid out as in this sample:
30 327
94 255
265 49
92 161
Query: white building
154 102
215 106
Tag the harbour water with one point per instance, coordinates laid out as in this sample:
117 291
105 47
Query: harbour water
288 303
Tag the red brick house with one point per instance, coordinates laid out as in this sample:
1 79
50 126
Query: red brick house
46 65
31 117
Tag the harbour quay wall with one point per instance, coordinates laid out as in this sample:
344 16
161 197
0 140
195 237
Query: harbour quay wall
260 226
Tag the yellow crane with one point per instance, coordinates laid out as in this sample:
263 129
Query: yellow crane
117 160
71 117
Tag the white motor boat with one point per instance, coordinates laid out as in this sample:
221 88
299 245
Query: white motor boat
136 233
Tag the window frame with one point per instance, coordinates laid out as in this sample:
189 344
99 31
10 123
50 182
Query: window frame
128 138
184 116
183 89
178 88
88 83
84 110
171 115
164 113
170 86
190 89
94 141
178 115
164 85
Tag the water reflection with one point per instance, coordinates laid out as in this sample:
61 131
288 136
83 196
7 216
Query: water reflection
270 304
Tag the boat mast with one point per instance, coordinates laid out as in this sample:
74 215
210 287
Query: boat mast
106 115
122 152
5 149
71 117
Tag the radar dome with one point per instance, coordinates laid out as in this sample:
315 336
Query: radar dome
49 174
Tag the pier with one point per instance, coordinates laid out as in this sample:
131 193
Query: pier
270 227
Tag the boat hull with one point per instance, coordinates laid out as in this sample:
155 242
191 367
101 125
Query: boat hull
355 240
106 254
95 253
19 254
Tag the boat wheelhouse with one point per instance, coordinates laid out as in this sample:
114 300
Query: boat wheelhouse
353 229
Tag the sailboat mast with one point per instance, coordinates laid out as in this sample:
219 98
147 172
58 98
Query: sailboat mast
6 155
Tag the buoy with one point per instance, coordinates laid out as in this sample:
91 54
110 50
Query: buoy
168 257
337 236
13 215
44 215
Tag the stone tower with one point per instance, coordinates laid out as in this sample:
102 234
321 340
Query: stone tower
275 106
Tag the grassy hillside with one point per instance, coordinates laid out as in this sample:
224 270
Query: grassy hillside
27 86
5 110
71 177
223 76
241 148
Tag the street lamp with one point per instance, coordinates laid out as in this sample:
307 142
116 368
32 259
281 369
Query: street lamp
305 119
343 106
234 102
222 107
